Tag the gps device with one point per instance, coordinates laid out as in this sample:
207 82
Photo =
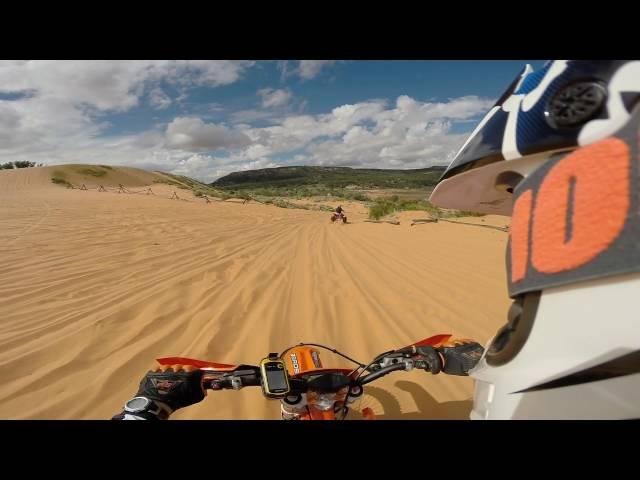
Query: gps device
275 379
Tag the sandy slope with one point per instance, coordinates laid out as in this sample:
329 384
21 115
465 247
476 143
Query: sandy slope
94 286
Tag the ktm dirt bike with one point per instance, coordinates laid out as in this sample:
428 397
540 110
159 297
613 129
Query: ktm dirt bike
315 392
339 216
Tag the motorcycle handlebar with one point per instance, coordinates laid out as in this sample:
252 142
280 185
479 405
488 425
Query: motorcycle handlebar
249 378
236 380
381 373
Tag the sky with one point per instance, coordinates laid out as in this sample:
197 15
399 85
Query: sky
207 118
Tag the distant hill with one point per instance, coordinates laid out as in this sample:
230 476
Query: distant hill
76 174
333 177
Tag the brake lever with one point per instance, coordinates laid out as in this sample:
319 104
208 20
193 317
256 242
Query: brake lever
396 358
215 383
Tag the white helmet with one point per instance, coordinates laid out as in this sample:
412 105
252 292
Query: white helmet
559 152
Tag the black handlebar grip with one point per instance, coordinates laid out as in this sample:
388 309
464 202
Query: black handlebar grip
250 380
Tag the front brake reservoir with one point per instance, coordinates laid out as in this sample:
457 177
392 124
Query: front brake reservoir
293 406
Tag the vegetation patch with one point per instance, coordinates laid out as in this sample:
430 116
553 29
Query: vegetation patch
93 171
60 181
330 178
19 164
384 206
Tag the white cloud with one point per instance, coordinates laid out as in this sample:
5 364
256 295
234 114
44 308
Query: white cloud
59 114
158 99
272 98
208 168
34 124
211 73
111 84
149 140
274 103
407 134
215 107
308 69
411 134
10 121
62 120
192 134
244 116
182 97
283 66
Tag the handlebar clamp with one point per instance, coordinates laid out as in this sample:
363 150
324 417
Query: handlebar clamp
236 383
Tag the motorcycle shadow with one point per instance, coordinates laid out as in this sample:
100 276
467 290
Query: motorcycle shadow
428 407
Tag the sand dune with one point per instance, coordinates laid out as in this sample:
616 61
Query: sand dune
94 286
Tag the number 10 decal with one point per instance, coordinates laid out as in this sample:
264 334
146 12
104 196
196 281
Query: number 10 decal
576 217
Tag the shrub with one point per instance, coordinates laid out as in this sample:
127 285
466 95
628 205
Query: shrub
18 164
385 206
361 197
60 181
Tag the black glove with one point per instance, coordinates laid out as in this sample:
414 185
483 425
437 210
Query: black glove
460 357
429 359
455 357
173 388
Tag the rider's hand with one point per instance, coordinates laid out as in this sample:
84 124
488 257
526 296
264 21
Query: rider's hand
460 356
172 387
430 357
455 357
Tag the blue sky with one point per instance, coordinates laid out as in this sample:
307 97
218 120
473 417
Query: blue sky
208 118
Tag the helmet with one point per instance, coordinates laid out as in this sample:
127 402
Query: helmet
565 105
560 153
